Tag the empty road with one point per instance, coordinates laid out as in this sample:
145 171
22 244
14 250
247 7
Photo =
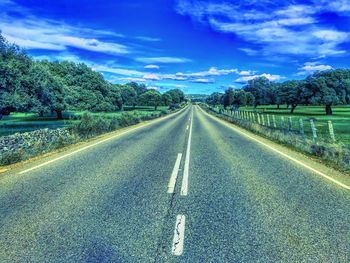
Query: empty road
185 188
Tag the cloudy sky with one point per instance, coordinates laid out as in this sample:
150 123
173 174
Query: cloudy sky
198 46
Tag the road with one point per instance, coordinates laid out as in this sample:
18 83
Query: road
186 188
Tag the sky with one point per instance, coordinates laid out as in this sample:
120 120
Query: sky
198 46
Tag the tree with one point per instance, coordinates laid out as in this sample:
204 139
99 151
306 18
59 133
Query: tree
228 97
177 95
166 99
260 88
14 65
215 98
129 95
290 93
328 88
151 98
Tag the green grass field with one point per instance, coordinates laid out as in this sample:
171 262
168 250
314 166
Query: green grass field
340 119
24 122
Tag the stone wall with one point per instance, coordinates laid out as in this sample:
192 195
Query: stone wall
21 146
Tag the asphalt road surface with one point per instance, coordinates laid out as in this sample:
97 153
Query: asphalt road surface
185 188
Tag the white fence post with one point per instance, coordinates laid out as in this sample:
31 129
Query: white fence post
301 127
268 120
290 124
274 121
313 128
331 130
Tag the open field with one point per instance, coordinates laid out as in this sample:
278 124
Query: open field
340 119
24 122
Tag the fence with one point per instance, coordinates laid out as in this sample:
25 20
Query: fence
305 127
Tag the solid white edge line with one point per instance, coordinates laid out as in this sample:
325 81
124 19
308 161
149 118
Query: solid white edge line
288 157
173 177
94 144
179 236
184 186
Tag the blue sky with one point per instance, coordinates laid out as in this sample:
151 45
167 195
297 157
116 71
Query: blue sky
197 46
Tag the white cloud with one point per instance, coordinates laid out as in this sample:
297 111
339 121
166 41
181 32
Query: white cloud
202 80
311 67
292 29
152 67
34 33
270 77
151 77
170 60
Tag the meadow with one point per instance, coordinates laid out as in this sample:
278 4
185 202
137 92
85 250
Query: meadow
25 122
340 119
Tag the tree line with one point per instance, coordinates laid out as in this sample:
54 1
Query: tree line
44 87
327 88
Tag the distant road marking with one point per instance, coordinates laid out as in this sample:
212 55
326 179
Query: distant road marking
287 156
184 187
172 181
94 144
179 236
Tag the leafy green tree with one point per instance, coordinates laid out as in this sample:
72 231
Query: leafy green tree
215 98
14 65
129 95
151 98
290 92
166 99
260 88
229 97
177 95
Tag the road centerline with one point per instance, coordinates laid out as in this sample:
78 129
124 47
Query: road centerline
179 236
184 187
174 174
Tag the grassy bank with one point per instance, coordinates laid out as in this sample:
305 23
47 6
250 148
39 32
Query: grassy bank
26 122
22 146
340 119
335 154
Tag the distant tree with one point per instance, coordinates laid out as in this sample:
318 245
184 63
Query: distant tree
290 92
215 98
229 97
260 88
177 95
139 88
166 99
151 98
129 95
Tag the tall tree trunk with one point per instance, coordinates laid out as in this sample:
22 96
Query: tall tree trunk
59 115
288 106
329 110
155 107
278 106
293 108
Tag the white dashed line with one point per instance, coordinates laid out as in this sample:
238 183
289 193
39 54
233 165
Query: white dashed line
179 236
172 181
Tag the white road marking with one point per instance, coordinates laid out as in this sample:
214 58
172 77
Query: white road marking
287 156
172 181
179 236
94 144
184 187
